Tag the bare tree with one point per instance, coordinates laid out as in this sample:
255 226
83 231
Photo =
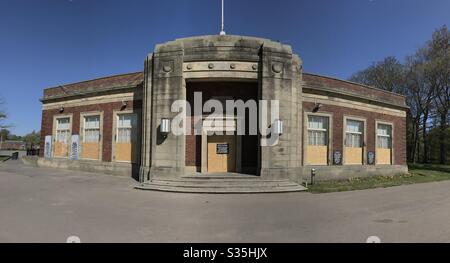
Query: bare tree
420 97
438 74
425 81
387 75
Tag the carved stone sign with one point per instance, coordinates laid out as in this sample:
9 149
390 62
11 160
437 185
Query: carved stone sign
337 158
223 148
370 158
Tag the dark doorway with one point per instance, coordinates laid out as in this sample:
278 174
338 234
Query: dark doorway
224 90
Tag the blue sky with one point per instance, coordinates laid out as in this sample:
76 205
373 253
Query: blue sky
45 43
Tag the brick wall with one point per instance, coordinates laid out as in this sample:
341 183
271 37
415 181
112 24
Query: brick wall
193 143
106 108
312 81
124 80
371 117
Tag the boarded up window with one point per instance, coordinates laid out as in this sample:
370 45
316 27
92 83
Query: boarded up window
317 149
126 149
62 138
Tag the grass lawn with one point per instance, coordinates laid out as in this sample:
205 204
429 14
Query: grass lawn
418 174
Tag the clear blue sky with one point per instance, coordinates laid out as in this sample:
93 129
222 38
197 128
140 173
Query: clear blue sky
45 43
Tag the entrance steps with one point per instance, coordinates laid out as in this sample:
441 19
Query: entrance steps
216 184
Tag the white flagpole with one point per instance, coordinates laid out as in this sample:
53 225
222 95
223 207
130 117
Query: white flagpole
222 32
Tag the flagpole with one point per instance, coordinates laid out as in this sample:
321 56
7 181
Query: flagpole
222 31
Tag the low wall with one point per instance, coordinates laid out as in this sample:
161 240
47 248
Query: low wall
323 173
10 152
326 173
118 169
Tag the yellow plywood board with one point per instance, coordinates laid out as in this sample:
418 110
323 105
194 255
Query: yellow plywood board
317 155
90 151
221 163
60 150
124 152
353 155
383 156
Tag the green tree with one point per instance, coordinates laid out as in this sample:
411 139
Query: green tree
2 115
4 134
32 138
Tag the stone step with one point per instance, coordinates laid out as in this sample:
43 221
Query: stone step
210 177
223 184
224 190
185 185
228 180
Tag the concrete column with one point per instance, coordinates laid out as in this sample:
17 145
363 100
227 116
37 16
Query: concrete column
168 153
281 80
146 120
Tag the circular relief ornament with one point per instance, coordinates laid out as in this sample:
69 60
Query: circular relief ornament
255 67
211 66
189 66
232 66
167 68
277 68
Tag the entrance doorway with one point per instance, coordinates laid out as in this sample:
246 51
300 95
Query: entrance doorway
219 149
222 154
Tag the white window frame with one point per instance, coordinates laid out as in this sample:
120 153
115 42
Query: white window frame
360 133
325 131
55 135
66 130
363 141
93 129
115 135
328 115
388 136
118 115
83 116
377 122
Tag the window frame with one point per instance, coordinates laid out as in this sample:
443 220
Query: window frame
91 129
347 132
59 130
329 138
116 113
124 127
383 122
363 141
54 132
308 129
83 116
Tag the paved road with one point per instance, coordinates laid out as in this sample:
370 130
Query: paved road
48 205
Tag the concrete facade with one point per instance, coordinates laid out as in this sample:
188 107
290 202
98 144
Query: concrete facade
274 71
221 58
